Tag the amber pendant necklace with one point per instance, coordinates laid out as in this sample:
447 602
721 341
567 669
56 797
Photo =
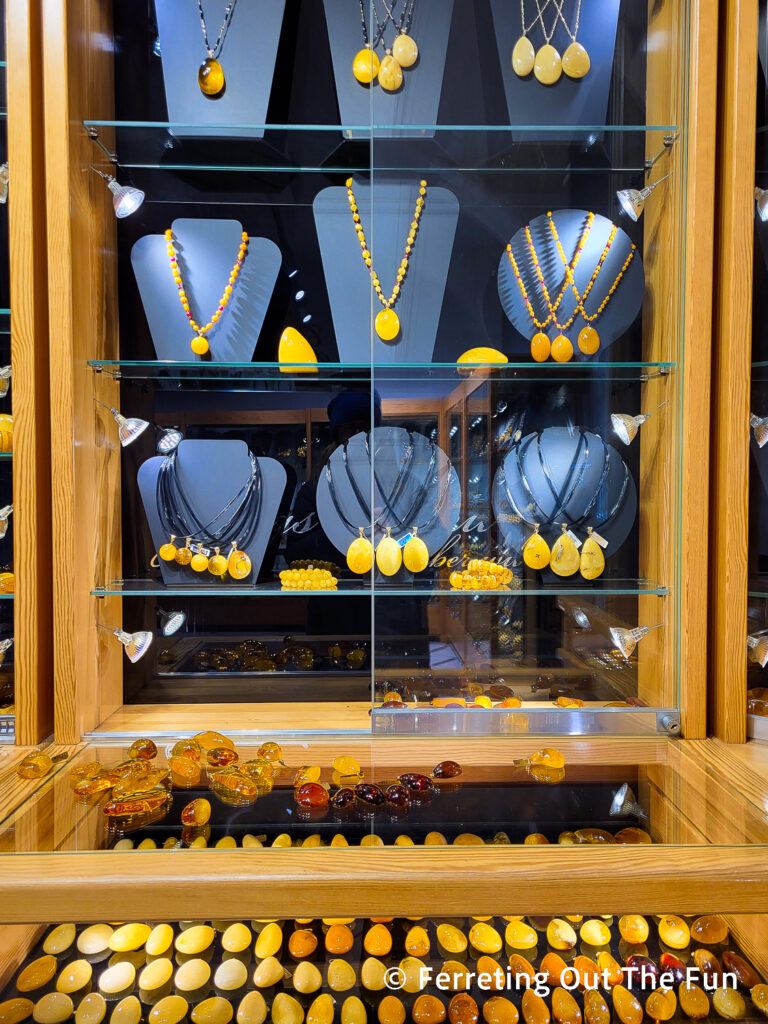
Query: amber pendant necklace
366 66
210 75
546 63
387 322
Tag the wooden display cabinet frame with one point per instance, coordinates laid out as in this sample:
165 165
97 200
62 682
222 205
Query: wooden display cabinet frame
83 325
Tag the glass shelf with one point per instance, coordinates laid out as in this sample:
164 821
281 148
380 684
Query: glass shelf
347 588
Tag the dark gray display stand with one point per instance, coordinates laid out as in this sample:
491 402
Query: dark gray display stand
418 99
388 448
212 473
354 303
247 58
569 101
621 310
207 252
558 447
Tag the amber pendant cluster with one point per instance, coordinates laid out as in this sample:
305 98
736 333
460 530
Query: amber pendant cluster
368 69
546 63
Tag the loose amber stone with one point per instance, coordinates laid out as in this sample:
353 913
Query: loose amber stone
192 975
729 1003
694 1001
118 978
74 977
14 1011
269 940
342 799
560 934
307 978
519 935
91 1010
535 839
231 975
487 965
322 1010
446 770
633 928
595 933
435 839
307 773
194 940
587 970
627 1006
397 797
54 1008
311 794
745 973
252 1009
463 1009
34 766
565 1009
378 940
500 1010
36 974
661 1004
452 939
428 1010
144 748
547 757
609 968
535 1010
339 939
369 795
458 976
353 1011
552 965
340 976
171 1010
391 1011
522 971
674 932
156 974
59 939
127 1011
594 836
417 941
286 1010
187 748
211 739
197 812
595 1008
485 938
711 930
220 757
185 772
759 994
270 752
632 836
302 943
373 974
258 769
346 765
416 782
212 1011
709 966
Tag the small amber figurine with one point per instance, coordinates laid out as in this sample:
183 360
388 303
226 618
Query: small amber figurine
198 812
37 764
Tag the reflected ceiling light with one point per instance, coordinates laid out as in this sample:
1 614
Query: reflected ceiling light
5 380
625 805
5 515
125 198
626 426
128 428
171 622
136 644
632 200
581 619
626 640
761 203
168 440
757 643
759 428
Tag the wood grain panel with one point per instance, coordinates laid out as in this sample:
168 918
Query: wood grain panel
732 363
32 549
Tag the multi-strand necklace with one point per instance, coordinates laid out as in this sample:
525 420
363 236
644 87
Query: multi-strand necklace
199 343
366 66
387 322
546 63
210 74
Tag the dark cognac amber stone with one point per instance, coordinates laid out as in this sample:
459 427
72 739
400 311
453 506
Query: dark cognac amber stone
311 794
446 770
671 964
463 1009
500 691
416 783
643 972
369 794
342 799
709 965
745 973
397 797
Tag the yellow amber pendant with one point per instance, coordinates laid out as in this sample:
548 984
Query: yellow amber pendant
483 354
217 565
536 553
199 563
562 349
199 345
576 62
365 66
592 560
360 555
547 66
415 554
565 559
589 341
389 555
294 347
168 551
390 74
210 77
238 564
540 347
387 325
405 51
523 57
183 555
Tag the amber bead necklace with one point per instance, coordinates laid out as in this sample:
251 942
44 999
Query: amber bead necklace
199 343
210 75
387 322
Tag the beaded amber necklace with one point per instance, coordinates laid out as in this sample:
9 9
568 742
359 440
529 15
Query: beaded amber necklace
199 343
387 322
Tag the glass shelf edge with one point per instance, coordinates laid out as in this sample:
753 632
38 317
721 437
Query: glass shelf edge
159 590
383 126
99 364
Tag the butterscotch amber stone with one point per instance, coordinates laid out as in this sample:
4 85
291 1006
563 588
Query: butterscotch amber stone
127 1011
633 928
129 937
54 1008
213 1011
372 974
496 974
500 1010
587 971
595 933
59 939
117 978
192 975
627 1006
594 836
268 973
195 939
74 977
391 1011
452 939
230 975
269 940
522 969
378 940
14 1011
694 1001
535 1010
286 1010
94 940
252 1009
759 994
519 935
536 839
711 930
340 976
595 1008
353 1011
553 965
560 934
484 938
745 973
674 932
37 974
307 978
661 1004
91 1010
609 968
417 941
729 1003
411 967
171 1010
302 943
428 1010
339 939
236 938
457 976
565 1009
463 1009
322 1010
156 974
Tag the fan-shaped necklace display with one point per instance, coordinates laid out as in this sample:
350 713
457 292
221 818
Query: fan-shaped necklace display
210 75
199 343
387 322
404 52
546 63
179 519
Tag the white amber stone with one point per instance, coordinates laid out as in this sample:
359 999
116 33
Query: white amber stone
390 74
192 975
94 940
156 975
523 57
118 978
230 975
548 66
405 51
576 61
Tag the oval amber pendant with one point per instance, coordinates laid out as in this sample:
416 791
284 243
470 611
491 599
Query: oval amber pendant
576 61
387 325
589 341
523 57
405 51
365 66
548 66
390 74
210 77
565 559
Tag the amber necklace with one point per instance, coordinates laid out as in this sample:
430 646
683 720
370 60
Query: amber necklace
546 63
404 52
210 75
387 322
199 343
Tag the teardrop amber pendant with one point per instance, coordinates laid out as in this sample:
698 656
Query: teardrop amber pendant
390 74
239 564
589 341
536 553
523 57
576 63
592 561
565 559
548 66
210 77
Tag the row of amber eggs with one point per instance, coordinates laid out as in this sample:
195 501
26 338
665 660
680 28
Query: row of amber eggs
138 947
